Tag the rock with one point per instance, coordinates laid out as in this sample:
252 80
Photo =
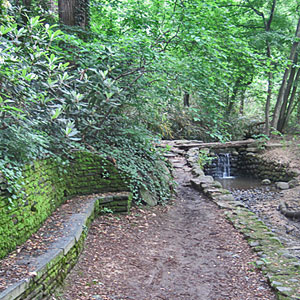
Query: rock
282 185
252 149
224 204
225 197
216 184
250 154
148 197
266 182
97 297
206 179
283 289
197 171
293 183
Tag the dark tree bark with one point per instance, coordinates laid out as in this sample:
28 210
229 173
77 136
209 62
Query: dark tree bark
186 99
268 103
287 72
286 97
74 12
66 12
242 103
267 26
292 105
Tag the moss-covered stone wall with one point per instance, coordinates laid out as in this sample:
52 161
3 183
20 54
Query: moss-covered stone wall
51 268
46 185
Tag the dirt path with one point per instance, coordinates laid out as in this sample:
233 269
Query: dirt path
184 251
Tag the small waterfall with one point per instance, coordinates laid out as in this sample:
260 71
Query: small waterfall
223 166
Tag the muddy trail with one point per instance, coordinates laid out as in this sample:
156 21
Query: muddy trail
183 251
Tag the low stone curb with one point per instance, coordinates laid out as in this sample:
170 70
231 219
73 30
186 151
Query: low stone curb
52 267
280 267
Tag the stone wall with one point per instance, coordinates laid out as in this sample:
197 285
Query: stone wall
247 161
252 164
47 184
51 268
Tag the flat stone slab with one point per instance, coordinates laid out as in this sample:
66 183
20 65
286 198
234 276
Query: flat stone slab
57 243
273 146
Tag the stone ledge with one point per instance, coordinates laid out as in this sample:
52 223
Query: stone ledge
281 269
54 264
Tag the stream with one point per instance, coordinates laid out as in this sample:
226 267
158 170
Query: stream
262 200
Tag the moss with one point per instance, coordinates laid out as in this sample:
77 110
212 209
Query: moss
47 186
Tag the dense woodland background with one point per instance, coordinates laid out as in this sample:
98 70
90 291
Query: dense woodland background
115 76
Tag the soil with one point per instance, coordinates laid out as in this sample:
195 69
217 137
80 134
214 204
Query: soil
185 250
182 251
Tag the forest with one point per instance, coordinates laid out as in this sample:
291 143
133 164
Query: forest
115 77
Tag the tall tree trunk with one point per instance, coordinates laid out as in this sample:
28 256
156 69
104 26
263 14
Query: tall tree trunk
186 99
268 103
270 74
292 104
298 112
283 86
286 96
66 12
267 27
242 103
74 12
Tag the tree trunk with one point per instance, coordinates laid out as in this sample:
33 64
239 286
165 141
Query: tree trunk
268 102
298 112
66 12
286 97
217 144
291 106
242 103
270 74
285 77
186 99
74 12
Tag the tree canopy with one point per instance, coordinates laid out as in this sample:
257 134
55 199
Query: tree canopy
111 76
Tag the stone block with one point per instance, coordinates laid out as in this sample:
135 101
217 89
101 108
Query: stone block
282 185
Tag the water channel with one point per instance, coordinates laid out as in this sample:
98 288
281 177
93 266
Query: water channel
258 198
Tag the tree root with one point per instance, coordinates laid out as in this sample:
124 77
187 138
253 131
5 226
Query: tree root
283 208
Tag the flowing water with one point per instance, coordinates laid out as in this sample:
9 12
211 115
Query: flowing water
223 166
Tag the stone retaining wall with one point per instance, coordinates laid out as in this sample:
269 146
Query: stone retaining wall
46 184
54 265
246 161
252 164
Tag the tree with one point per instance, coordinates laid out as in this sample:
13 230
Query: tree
285 87
74 12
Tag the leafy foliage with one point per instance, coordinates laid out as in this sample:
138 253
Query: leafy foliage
115 87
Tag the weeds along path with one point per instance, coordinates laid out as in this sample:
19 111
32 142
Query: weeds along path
183 251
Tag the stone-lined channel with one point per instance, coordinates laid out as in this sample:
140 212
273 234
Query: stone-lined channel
272 236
